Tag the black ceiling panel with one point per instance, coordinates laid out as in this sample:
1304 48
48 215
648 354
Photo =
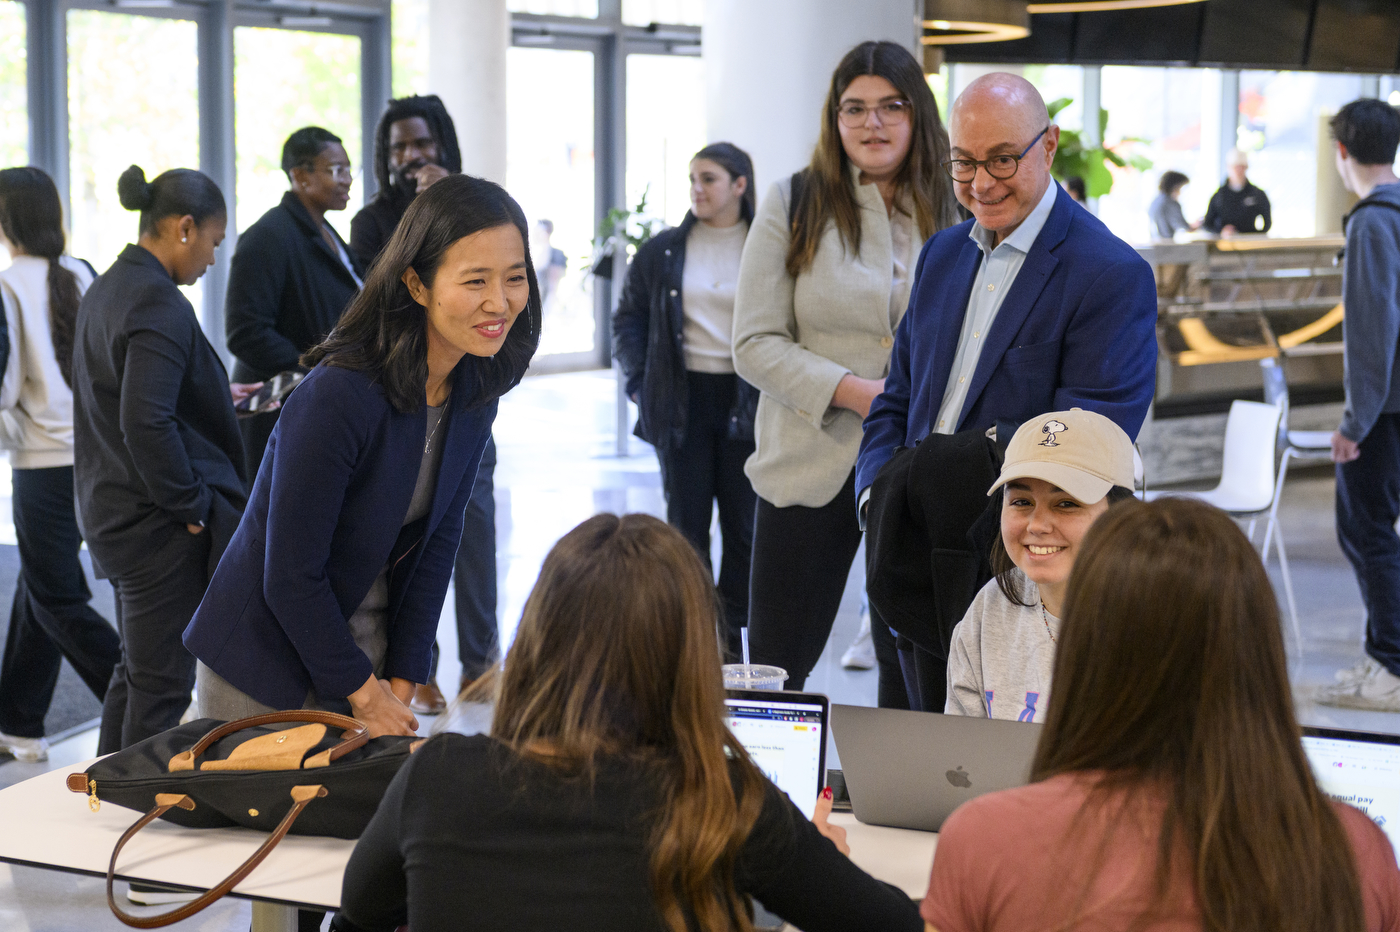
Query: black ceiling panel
1255 33
1355 35
1050 43
1157 35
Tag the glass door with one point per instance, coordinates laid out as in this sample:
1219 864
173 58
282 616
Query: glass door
14 108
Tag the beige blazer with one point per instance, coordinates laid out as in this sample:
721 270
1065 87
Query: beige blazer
794 339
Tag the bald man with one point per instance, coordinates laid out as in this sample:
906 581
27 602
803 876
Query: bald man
1031 306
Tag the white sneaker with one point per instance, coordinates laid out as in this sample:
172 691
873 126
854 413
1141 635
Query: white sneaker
1378 691
1357 672
29 750
861 654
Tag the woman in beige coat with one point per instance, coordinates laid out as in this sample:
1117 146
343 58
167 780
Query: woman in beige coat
824 281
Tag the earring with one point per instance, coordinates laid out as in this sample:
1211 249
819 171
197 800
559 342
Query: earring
183 240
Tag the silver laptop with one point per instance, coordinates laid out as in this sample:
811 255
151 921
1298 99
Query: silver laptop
1361 769
912 769
785 734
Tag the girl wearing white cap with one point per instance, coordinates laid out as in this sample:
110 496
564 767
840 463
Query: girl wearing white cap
1062 471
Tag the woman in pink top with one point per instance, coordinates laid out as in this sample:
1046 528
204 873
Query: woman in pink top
1170 787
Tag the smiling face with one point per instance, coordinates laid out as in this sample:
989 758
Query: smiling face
411 146
877 148
479 289
1042 527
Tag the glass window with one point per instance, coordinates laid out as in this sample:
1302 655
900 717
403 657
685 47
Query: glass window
586 8
1053 82
646 12
133 98
14 110
549 170
410 47
665 127
288 79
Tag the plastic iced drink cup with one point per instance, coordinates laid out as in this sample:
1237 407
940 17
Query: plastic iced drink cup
753 676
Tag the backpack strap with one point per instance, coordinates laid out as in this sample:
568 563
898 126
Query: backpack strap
799 189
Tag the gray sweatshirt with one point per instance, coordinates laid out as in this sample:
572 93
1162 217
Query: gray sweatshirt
1371 294
1002 655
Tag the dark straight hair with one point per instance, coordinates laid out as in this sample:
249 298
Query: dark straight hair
1370 129
32 217
1171 180
384 331
737 162
828 193
178 192
1171 681
302 147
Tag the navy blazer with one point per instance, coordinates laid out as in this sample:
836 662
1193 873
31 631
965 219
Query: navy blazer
325 515
1077 329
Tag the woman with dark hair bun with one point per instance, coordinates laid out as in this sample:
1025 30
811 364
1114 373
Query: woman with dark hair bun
672 335
159 465
292 275
330 593
50 618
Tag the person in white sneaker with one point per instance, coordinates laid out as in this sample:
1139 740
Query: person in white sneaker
1062 471
1366 446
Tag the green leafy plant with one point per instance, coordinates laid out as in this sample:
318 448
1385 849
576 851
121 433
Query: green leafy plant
1091 163
625 229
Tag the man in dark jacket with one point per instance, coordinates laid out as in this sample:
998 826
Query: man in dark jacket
1238 206
415 145
1366 447
292 275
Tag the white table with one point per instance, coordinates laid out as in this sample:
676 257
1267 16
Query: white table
898 856
47 826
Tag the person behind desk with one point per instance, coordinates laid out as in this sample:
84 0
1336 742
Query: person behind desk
1238 206
1170 789
610 794
331 590
1003 650
291 275
1165 212
158 463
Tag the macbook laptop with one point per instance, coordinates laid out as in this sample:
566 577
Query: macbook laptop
785 734
1361 769
912 769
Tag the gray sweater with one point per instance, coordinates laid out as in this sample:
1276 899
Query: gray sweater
1371 294
1002 655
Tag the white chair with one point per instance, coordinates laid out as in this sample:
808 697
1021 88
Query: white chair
1247 487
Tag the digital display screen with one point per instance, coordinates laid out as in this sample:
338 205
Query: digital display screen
785 741
1363 774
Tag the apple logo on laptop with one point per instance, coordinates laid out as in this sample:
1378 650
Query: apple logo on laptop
959 778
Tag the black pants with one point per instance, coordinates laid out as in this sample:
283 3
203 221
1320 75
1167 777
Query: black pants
706 468
801 558
256 431
152 682
925 678
1368 504
50 618
474 576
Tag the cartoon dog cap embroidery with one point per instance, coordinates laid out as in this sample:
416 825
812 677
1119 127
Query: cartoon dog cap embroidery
1078 451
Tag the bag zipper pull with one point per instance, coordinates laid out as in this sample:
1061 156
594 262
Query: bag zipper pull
93 802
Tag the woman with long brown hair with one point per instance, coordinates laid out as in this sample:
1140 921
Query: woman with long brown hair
610 794
824 282
1170 786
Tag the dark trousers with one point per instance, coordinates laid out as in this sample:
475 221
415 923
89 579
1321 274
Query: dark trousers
708 467
152 682
256 431
925 678
474 575
50 618
801 558
1368 504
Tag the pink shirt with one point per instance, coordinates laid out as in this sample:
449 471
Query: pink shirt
1018 860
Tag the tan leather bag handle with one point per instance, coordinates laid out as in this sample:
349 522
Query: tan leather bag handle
354 735
301 795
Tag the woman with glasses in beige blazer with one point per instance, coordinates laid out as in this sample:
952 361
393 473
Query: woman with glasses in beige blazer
824 281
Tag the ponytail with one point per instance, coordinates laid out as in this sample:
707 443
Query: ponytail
63 316
179 192
31 216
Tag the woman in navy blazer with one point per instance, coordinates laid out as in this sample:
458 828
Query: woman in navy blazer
330 592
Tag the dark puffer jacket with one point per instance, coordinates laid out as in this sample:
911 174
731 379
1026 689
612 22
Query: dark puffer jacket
647 343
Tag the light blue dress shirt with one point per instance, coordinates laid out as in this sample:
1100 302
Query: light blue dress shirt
1000 265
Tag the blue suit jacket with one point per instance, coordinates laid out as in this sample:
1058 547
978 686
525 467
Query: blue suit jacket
1077 329
325 514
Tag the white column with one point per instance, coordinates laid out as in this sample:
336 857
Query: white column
467 43
768 67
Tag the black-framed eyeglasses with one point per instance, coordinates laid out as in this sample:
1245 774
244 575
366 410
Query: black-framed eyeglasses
1000 167
854 114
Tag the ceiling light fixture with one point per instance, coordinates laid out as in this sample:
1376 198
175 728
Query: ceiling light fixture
961 22
1103 6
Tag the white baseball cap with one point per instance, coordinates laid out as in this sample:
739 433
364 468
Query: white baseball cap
1081 452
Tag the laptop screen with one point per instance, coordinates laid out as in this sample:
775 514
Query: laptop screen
786 737
1362 770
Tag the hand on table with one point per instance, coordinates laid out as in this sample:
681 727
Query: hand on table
836 833
856 394
381 710
1344 450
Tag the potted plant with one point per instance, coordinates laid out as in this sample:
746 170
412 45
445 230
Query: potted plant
1092 163
622 229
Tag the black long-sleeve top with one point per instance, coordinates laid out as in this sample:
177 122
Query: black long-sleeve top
471 835
1247 210
286 290
155 440
372 226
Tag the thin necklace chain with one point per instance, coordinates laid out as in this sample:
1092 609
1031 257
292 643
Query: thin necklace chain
1045 617
428 445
